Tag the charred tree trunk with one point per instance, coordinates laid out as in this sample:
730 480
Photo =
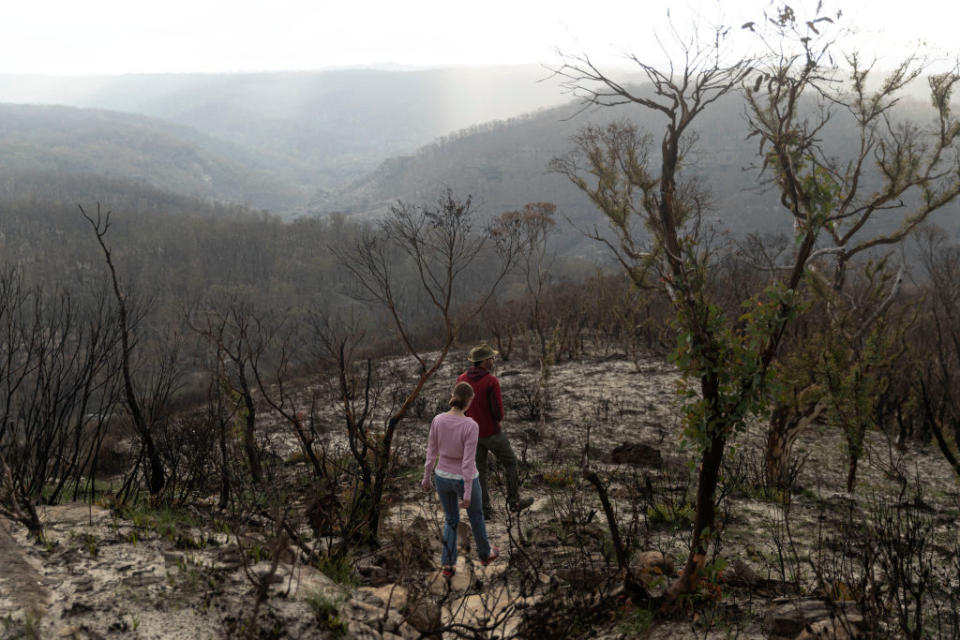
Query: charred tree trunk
249 424
16 505
155 476
852 472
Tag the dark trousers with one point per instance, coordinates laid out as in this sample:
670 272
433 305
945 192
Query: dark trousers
498 445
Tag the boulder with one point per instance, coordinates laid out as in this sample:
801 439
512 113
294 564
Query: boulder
740 574
791 618
424 616
636 453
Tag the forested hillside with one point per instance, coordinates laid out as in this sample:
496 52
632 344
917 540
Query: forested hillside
355 142
70 155
320 128
506 164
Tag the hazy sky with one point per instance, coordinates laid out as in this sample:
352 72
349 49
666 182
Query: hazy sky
123 36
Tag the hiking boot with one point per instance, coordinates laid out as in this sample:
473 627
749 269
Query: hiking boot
521 504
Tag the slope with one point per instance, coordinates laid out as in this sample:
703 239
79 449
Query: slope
44 148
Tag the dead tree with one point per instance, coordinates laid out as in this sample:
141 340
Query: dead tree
937 383
532 226
126 322
437 245
338 343
58 388
239 336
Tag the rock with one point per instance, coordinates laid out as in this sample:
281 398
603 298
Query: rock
359 631
142 580
172 557
371 615
77 608
480 609
833 629
408 632
265 570
229 558
438 584
424 616
389 594
740 574
484 575
310 582
374 574
636 453
650 564
790 619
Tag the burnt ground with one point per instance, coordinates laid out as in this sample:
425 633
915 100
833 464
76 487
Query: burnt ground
104 573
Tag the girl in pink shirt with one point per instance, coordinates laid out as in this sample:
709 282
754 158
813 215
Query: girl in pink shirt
452 449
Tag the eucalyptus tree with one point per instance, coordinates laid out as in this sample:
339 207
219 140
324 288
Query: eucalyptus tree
855 201
646 186
655 212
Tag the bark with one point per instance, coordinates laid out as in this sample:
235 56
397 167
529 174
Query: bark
14 504
852 472
156 478
249 425
630 585
704 522
786 424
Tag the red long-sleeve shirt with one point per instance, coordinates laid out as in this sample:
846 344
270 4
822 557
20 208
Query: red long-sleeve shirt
487 404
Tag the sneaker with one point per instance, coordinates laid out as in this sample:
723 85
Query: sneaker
448 571
521 504
494 554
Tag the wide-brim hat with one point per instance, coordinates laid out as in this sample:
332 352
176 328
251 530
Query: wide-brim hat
481 352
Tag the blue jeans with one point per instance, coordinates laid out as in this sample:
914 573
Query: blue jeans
450 493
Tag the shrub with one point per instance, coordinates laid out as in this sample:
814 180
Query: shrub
327 612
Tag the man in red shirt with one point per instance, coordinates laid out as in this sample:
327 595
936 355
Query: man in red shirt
487 410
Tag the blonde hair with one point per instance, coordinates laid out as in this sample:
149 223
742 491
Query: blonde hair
461 396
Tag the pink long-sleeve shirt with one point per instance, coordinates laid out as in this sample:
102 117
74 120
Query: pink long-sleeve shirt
453 439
